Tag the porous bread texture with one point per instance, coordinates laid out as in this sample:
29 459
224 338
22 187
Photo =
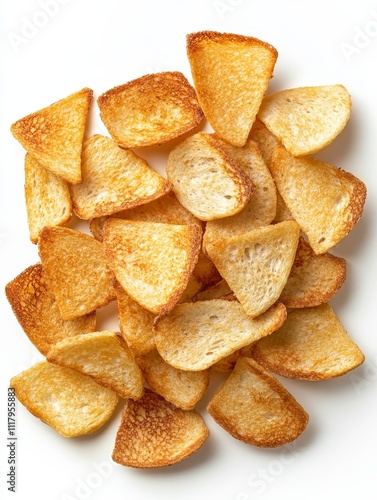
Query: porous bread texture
256 264
152 261
74 266
54 135
206 181
231 74
196 335
155 433
254 407
306 119
68 401
311 345
105 357
325 201
150 110
113 179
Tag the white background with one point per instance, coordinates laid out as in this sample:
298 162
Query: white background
48 54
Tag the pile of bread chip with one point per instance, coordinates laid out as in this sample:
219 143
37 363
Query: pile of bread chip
222 265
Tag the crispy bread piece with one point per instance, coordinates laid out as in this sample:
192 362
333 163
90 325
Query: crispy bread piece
135 322
261 209
47 197
256 264
253 406
311 345
68 401
54 135
219 289
155 433
196 335
150 110
152 261
182 388
35 308
306 119
75 270
113 179
314 279
231 74
205 180
325 201
105 357
166 209
266 141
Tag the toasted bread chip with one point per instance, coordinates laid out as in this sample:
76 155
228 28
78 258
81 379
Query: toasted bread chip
219 289
182 388
311 345
261 209
231 74
54 135
166 209
254 407
306 119
155 433
152 261
113 179
325 201
135 322
68 401
150 110
75 270
205 180
266 141
196 335
314 279
48 201
105 357
35 308
256 264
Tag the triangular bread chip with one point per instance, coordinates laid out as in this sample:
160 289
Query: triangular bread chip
254 407
105 357
155 433
306 119
266 141
314 279
113 179
325 201
68 401
150 110
261 209
311 345
135 323
54 135
75 269
182 388
231 74
35 308
152 261
196 335
256 264
205 180
47 197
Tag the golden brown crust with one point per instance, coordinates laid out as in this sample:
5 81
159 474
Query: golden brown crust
155 433
150 110
35 308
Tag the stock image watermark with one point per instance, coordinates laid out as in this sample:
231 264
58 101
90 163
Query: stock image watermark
11 473
84 487
225 7
362 37
259 481
31 25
